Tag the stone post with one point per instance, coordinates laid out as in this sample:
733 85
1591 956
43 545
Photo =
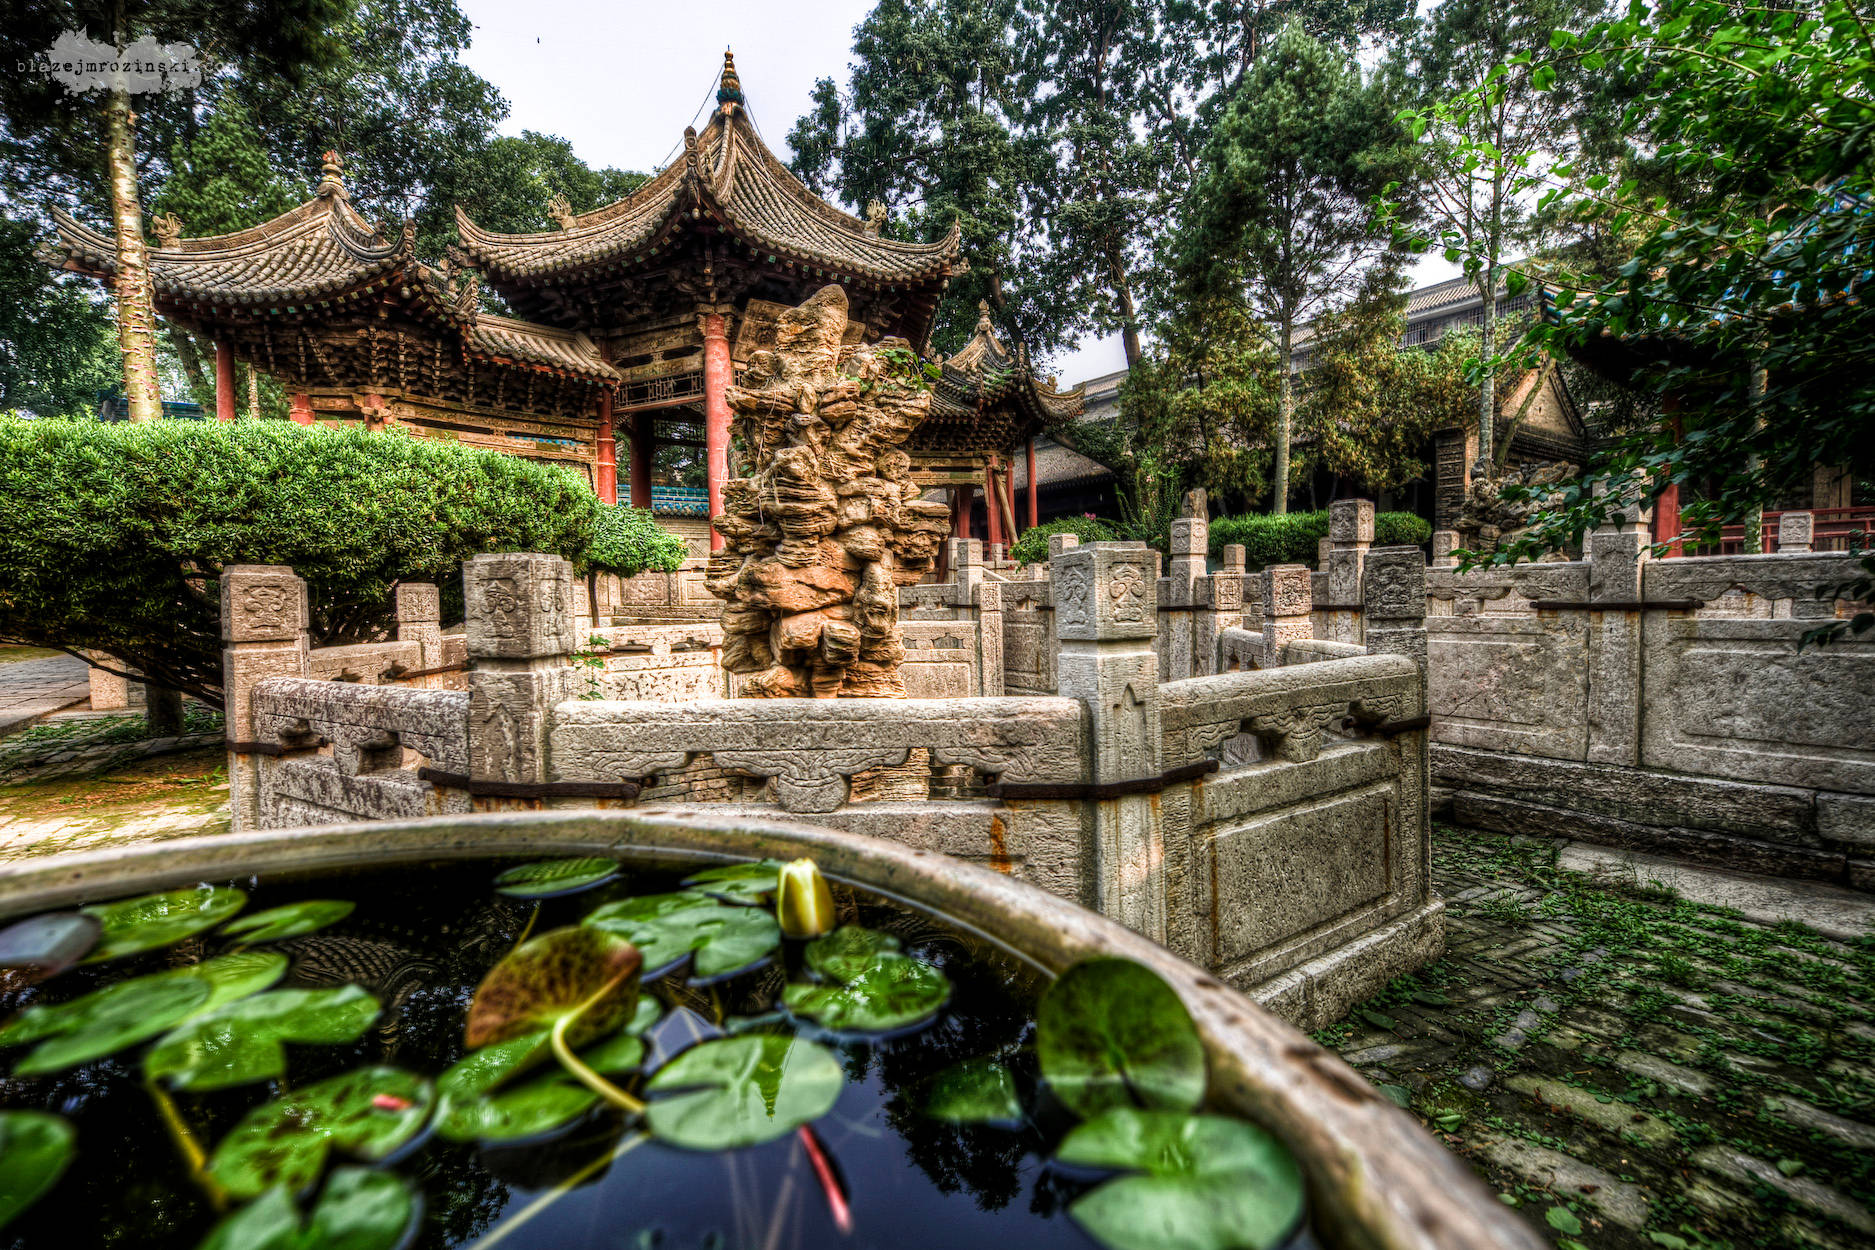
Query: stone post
989 633
1288 597
519 609
1617 558
263 633
1058 543
966 561
1221 608
1350 534
420 620
1444 543
1249 596
1106 618
1181 596
1796 532
1393 604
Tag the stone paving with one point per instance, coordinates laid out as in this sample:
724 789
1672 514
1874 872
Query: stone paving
147 799
30 688
1630 1068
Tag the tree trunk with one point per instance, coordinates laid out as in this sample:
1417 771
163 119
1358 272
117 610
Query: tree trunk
1285 413
136 311
191 358
162 715
253 393
1129 328
1487 389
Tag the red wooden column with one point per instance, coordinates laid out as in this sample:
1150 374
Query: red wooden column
605 479
1028 462
993 499
1667 506
224 381
961 499
642 451
299 407
717 373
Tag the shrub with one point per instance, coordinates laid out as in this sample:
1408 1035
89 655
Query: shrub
116 534
1293 537
626 541
1032 547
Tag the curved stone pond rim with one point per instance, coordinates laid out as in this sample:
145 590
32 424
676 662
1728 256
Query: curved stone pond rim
1377 1180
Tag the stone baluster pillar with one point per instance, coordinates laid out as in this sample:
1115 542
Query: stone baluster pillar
989 633
420 620
1394 607
1181 597
1617 563
1350 534
1796 532
1444 543
1106 618
966 561
1288 598
263 633
519 608
1220 608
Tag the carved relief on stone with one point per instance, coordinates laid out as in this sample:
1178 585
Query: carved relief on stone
828 524
1295 734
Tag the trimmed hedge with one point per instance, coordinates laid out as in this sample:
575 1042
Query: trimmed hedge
1032 547
115 534
1293 537
627 541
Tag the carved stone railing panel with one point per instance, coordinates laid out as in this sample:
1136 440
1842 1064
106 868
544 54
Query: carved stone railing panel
364 723
1289 710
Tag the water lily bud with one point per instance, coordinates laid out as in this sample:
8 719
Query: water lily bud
803 903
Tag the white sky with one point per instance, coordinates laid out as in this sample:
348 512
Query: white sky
620 81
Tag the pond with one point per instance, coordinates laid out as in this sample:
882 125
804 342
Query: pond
597 1054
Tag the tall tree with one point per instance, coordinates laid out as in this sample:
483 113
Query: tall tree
56 347
1478 194
1280 210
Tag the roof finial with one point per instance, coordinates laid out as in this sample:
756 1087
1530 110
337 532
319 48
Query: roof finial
875 217
983 317
561 211
731 90
168 229
331 175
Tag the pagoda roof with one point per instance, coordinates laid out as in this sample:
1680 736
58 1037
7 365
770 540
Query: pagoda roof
987 398
726 175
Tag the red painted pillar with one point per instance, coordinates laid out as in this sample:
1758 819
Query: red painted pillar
643 451
716 377
962 497
224 381
605 479
299 407
1667 520
993 499
1028 462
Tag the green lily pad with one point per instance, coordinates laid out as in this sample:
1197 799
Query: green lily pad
243 1041
293 920
1211 1183
367 1113
469 1108
668 926
976 1091
359 1210
45 946
848 951
548 877
35 1150
644 1015
741 1091
892 992
152 920
750 884
584 974
1110 1033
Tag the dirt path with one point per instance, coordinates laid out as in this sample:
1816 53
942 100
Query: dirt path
170 796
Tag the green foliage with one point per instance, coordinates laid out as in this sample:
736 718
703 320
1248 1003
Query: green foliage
1293 539
1032 547
888 992
367 1113
242 1042
152 920
550 878
290 921
58 348
629 541
1109 1033
35 1150
359 1210
666 927
742 1091
118 533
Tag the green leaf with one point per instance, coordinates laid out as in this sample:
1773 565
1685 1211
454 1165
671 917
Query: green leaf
1184 1213
892 992
359 1210
368 1113
976 1091
848 951
243 1041
573 972
1110 1033
548 877
153 920
667 926
45 946
739 883
1669 1241
35 1150
1399 1095
102 1022
527 1110
1563 1220
293 920
741 1091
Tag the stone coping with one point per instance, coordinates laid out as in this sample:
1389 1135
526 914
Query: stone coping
1377 1181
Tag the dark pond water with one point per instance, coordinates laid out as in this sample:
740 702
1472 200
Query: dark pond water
420 941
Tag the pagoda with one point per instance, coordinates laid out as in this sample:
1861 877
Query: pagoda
636 318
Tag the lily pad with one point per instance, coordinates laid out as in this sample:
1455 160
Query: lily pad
45 946
750 884
582 974
548 877
35 1150
290 921
742 1091
666 927
469 1108
1211 1183
359 1210
367 1113
892 992
152 920
644 1015
243 1041
976 1091
1110 1033
848 951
